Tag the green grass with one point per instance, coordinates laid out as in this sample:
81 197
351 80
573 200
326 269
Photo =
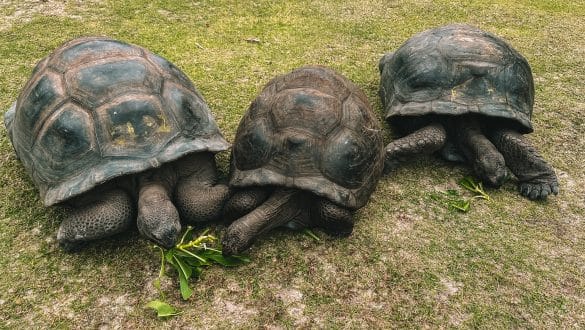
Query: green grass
410 263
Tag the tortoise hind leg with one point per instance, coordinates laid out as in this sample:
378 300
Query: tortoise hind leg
95 215
423 141
537 178
332 218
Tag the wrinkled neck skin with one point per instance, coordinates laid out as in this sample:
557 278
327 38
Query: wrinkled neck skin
295 208
158 216
484 124
467 140
467 133
302 218
452 124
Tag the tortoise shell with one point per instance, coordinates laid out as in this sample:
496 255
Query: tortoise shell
457 69
314 130
97 108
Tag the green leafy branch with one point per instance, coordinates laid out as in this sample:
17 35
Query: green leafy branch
452 199
455 201
475 187
188 258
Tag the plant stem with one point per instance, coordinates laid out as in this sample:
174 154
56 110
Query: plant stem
189 229
197 242
162 262
192 254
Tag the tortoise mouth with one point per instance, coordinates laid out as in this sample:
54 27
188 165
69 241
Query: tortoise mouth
496 180
165 237
166 242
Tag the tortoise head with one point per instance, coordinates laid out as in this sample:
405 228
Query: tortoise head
491 168
158 219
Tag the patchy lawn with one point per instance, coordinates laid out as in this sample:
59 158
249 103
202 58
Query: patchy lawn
509 262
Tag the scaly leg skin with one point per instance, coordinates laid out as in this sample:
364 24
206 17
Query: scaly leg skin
95 215
486 160
198 197
281 207
244 201
158 219
424 141
537 178
332 218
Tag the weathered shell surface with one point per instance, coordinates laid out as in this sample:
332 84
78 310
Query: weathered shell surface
310 129
97 108
454 70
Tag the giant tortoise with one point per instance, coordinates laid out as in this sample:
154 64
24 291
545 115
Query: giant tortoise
116 134
307 153
467 93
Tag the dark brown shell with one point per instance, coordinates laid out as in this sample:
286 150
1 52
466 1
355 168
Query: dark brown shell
310 129
97 108
457 69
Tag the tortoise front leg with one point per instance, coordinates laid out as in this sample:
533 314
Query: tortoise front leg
537 178
283 206
244 201
94 215
487 162
332 218
424 141
198 196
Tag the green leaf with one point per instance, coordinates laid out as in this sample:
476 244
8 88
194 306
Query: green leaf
452 193
244 259
468 183
188 258
182 268
186 291
162 308
169 256
196 272
460 205
192 262
228 261
475 187
191 255
185 273
188 231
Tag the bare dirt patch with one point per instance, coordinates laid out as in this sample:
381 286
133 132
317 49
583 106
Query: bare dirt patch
23 11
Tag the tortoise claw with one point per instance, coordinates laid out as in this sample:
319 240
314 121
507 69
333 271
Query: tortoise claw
538 191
